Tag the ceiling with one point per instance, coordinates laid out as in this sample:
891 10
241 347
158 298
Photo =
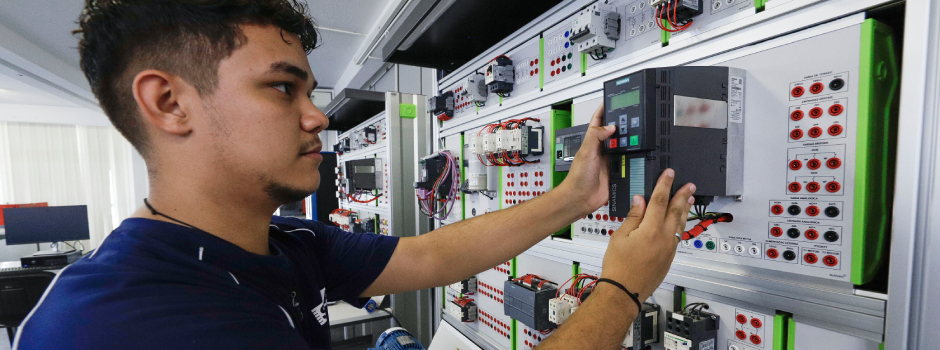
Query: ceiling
48 25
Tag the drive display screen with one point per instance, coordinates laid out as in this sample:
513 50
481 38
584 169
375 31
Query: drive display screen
626 99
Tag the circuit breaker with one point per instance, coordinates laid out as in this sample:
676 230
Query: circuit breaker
596 30
690 119
499 76
474 89
442 106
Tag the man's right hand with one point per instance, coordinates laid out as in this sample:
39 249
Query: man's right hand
642 249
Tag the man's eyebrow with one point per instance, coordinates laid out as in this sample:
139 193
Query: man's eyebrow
289 68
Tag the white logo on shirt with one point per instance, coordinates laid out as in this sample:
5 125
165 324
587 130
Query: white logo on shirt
320 310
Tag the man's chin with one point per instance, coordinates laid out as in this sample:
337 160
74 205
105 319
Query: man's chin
283 194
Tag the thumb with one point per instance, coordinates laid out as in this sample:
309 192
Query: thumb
602 133
635 217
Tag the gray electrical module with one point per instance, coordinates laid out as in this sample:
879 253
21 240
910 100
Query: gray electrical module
528 302
567 143
690 119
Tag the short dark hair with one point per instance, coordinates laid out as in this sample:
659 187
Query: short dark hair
187 38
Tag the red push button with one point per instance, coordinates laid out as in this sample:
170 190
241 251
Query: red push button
613 143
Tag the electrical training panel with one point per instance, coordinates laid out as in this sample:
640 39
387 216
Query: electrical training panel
789 147
371 175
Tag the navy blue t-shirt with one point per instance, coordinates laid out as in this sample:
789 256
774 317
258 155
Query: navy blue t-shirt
158 285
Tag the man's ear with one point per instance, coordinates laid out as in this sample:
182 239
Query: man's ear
158 96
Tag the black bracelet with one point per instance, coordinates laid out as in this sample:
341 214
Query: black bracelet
634 296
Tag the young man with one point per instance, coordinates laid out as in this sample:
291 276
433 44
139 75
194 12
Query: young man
215 96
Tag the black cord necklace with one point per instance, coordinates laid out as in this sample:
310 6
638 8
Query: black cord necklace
155 212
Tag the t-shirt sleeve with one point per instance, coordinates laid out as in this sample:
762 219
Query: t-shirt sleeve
350 261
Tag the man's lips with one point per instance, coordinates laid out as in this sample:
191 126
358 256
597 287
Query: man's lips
314 153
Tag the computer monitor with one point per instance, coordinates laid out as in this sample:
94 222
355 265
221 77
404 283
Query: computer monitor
46 224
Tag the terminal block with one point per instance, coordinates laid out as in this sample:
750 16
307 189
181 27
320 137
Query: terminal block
474 89
691 330
467 286
442 106
463 309
596 30
500 76
526 300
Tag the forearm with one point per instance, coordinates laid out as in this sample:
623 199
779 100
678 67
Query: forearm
471 246
601 322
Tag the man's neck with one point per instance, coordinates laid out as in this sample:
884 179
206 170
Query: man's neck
240 222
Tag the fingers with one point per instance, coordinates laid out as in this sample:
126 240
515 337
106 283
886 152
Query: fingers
593 140
659 201
598 118
635 217
678 211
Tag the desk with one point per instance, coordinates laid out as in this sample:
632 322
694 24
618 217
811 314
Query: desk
353 328
9 264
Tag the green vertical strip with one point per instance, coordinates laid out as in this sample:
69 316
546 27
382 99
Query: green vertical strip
780 329
759 5
583 64
541 66
881 346
500 100
560 120
875 149
683 300
575 269
514 328
791 334
512 333
500 188
667 35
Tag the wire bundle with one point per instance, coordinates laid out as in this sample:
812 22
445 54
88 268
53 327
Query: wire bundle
694 309
662 12
580 284
705 220
354 197
505 158
531 280
437 204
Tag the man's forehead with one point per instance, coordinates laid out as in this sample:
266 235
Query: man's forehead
267 45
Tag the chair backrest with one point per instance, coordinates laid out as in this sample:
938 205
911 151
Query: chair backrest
20 293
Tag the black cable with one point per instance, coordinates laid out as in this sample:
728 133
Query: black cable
155 212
